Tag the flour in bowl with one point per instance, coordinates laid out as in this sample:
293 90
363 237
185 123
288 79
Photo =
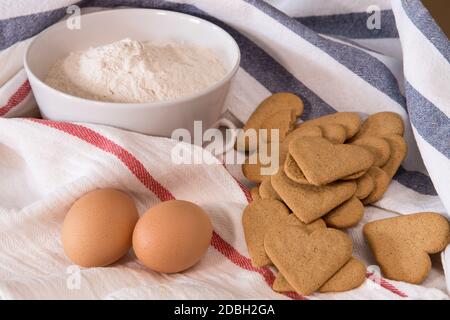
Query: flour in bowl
130 71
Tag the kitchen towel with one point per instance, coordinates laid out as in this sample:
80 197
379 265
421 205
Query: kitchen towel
365 56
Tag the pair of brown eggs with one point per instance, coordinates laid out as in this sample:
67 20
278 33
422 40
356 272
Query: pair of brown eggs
102 226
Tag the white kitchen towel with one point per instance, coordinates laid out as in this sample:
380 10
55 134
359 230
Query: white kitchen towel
45 165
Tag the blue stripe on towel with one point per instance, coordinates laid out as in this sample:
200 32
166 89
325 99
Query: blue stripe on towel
362 64
431 123
415 180
263 68
20 28
352 25
420 16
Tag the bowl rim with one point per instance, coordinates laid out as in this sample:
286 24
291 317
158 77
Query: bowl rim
155 104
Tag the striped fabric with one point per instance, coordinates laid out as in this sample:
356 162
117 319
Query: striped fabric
321 50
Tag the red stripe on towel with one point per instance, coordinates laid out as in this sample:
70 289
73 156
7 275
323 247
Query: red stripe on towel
16 98
141 173
385 284
244 189
105 144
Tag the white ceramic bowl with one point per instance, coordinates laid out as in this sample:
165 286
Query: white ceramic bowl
100 28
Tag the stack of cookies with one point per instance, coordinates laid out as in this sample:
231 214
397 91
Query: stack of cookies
329 168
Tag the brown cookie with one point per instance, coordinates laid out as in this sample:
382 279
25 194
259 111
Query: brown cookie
355 175
300 132
398 150
349 120
323 162
252 171
292 220
381 124
335 133
267 116
350 276
293 171
305 131
284 121
401 245
257 218
381 183
280 284
257 167
254 192
306 260
346 215
310 131
266 191
364 186
310 202
378 147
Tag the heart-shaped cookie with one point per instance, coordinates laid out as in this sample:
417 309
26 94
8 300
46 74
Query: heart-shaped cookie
258 164
355 175
350 276
381 182
254 192
398 149
306 260
310 202
292 220
283 121
381 124
252 171
378 147
290 167
346 215
305 131
323 162
266 191
349 120
364 186
293 171
401 245
309 131
257 218
267 110
333 132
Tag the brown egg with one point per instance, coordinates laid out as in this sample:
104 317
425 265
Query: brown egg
98 228
172 236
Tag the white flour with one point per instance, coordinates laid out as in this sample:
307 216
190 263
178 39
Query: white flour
131 71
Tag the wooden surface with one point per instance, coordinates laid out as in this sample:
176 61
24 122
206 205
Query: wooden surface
440 10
